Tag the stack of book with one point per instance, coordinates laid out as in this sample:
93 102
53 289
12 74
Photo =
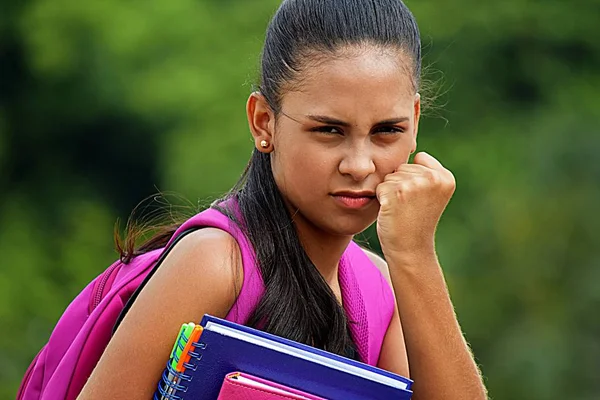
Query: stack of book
223 360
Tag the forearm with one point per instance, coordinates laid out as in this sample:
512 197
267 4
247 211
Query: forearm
440 360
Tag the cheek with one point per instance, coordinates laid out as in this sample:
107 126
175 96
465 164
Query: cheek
389 159
302 168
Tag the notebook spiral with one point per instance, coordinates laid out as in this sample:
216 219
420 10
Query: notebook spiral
181 364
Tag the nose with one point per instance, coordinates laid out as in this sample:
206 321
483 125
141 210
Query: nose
357 162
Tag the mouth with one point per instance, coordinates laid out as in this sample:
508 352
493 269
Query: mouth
354 200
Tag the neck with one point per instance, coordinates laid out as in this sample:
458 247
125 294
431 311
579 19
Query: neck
324 249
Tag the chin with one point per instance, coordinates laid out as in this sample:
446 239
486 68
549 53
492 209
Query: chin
349 226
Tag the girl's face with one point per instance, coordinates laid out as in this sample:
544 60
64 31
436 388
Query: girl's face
350 122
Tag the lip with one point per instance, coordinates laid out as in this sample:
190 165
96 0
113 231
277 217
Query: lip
354 200
350 193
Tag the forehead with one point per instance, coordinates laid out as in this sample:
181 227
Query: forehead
355 82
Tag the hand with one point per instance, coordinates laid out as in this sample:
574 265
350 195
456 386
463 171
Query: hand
412 201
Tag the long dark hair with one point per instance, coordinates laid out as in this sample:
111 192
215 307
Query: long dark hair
298 303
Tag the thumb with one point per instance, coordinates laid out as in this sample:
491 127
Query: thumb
428 161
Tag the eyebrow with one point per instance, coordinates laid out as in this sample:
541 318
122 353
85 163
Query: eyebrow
333 121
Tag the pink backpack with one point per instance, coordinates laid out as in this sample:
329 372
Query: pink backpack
63 365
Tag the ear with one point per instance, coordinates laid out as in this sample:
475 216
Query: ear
417 115
261 120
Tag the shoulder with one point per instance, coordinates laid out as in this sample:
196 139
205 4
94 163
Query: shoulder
196 243
207 250
203 267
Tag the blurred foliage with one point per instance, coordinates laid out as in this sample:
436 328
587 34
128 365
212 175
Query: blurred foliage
103 102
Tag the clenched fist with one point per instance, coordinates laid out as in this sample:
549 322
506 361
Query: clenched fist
412 201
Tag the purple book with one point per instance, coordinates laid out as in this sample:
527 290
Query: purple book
226 347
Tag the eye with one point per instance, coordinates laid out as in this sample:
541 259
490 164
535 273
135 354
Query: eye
331 130
388 130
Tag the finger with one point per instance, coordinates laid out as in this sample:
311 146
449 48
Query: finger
405 171
412 168
428 161
383 194
408 180
402 175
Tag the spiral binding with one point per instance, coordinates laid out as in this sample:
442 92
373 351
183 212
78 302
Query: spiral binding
173 382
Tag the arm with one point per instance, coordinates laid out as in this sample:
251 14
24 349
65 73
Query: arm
441 363
412 201
199 276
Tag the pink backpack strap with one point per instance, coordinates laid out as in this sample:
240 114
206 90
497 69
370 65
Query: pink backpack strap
369 302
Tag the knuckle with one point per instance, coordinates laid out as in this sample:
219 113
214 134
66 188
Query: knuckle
434 178
406 188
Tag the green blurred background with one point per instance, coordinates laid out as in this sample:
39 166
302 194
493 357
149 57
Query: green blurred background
104 102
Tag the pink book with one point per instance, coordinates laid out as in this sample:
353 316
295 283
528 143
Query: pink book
240 386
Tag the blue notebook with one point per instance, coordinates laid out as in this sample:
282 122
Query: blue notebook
225 347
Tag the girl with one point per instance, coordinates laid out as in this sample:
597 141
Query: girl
334 123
